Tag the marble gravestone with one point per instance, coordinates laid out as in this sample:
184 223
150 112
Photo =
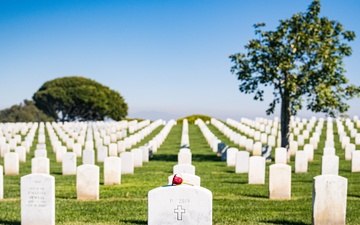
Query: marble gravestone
181 204
184 168
37 199
242 162
87 182
112 170
329 200
280 181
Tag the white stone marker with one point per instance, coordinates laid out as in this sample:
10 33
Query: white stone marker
112 170
281 155
69 164
256 173
21 150
102 153
187 178
1 182
178 205
40 153
87 182
145 153
184 168
127 163
242 162
37 199
40 165
113 149
88 156
330 164
329 200
231 156
257 149
329 151
184 156
293 147
301 162
280 181
137 154
77 149
309 149
355 161
60 151
11 163
349 148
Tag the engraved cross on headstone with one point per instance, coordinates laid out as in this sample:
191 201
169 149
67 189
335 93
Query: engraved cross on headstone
179 211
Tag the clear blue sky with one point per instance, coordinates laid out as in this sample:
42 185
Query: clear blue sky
168 59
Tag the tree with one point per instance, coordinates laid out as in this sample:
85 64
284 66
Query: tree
303 61
26 112
79 99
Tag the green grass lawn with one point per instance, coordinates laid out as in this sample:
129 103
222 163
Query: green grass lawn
234 201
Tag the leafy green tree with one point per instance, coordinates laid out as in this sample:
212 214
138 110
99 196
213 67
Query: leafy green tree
303 61
26 112
79 99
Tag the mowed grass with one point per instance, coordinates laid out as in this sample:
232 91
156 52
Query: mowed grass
234 200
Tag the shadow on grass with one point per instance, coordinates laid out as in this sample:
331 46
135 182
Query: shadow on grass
235 182
284 222
354 196
201 158
134 221
195 158
167 157
259 196
9 222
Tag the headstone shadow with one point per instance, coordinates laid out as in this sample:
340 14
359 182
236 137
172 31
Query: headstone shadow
287 222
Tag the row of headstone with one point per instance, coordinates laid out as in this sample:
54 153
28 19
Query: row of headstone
185 142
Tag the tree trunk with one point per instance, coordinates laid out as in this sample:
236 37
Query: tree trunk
285 120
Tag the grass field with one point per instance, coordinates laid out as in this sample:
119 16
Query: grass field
234 201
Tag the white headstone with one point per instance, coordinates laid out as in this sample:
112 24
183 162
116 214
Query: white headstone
22 153
77 149
329 200
69 164
256 170
40 153
242 162
11 163
113 149
60 151
355 161
301 162
87 182
184 156
1 182
102 153
309 149
180 204
257 149
329 151
112 170
330 164
40 165
37 199
280 181
183 168
349 150
137 154
281 155
88 156
231 156
127 163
